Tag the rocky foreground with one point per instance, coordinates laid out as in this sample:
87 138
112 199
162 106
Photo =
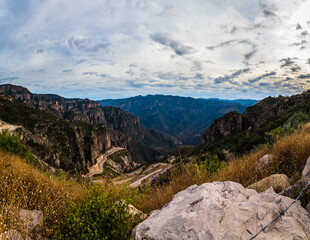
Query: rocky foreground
225 210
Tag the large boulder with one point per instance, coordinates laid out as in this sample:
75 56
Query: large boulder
225 210
277 181
294 190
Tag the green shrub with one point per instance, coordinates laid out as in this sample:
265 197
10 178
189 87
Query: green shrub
212 164
290 126
100 215
12 144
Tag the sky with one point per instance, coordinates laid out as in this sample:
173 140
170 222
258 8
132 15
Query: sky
103 49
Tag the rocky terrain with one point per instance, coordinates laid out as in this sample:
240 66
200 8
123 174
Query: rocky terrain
72 133
254 117
182 117
225 210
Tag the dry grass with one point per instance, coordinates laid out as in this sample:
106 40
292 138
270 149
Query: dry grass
24 187
291 153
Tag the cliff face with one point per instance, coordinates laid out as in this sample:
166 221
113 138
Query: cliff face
80 122
253 117
64 144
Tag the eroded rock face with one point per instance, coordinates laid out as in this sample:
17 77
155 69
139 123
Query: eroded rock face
225 210
253 117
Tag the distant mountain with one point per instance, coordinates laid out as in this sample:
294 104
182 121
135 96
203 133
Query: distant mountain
75 121
247 129
185 118
243 102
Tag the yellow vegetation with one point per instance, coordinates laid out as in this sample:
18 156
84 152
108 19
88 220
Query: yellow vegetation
24 187
291 153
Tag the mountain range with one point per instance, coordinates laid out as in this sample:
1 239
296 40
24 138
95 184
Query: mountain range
185 118
72 133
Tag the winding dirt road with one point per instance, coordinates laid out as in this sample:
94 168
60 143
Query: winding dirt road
98 167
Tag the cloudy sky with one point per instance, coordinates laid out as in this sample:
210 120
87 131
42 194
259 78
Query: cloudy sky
115 48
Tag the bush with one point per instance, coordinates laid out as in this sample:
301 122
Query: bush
290 126
12 144
100 215
22 186
212 164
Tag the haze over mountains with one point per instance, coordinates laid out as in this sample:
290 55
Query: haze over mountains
185 118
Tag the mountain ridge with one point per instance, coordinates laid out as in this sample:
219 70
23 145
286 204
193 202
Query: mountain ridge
185 118
143 143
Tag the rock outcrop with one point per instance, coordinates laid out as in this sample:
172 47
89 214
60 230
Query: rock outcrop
294 190
277 181
225 210
264 161
254 117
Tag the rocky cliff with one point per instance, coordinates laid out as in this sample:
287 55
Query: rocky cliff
254 117
75 131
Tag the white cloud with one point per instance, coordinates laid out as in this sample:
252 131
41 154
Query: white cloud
145 46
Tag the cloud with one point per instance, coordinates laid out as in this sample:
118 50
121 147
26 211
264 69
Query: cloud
300 43
229 78
232 42
91 73
302 76
267 11
295 68
176 46
8 80
261 77
222 44
103 75
121 41
38 71
67 70
304 33
286 62
298 26
139 84
247 56
87 45
39 51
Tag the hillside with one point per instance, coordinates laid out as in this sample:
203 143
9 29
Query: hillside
182 117
248 129
82 121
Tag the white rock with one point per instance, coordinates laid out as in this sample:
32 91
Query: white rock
306 171
264 161
225 210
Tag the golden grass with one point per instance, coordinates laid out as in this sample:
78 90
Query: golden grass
291 153
24 187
